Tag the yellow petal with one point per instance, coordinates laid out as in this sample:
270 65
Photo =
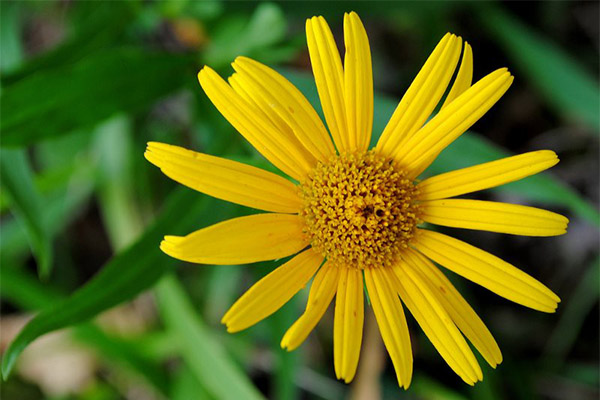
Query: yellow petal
272 292
419 150
279 147
286 101
240 240
329 78
358 83
464 76
487 175
437 324
225 179
486 270
494 217
348 323
455 305
391 320
422 96
321 293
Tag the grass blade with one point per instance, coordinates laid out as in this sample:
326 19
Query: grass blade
78 96
135 269
565 84
202 353
17 183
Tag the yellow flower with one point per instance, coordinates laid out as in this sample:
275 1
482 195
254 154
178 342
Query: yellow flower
353 213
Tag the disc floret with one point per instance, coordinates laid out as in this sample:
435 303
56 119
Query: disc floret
359 209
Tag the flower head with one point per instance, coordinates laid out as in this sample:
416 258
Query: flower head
355 215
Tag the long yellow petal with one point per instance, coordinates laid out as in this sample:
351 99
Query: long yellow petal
240 240
487 175
391 320
422 96
348 323
273 291
437 324
321 293
464 77
419 150
358 83
329 78
456 306
279 147
486 270
224 179
494 217
285 100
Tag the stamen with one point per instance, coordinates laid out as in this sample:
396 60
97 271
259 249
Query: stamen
359 209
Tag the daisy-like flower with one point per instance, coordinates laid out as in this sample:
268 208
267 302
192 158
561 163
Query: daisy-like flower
351 216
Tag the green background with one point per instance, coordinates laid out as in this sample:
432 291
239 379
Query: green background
84 85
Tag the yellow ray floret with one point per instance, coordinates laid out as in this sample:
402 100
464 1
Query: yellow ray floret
273 291
322 290
464 77
391 320
348 323
422 96
224 179
285 102
240 240
280 147
436 324
358 84
329 78
494 217
486 270
421 148
487 175
456 306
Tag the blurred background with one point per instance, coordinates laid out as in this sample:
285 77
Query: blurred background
84 86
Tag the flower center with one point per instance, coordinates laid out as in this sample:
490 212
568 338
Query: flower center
359 210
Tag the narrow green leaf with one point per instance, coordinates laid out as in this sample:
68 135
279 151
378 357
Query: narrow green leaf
114 146
202 353
572 318
564 83
60 209
10 31
17 183
99 25
135 269
23 290
471 149
78 96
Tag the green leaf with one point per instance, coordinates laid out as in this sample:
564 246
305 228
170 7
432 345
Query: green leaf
261 33
113 147
23 290
471 149
98 26
135 269
80 95
580 304
17 183
202 353
564 83
10 40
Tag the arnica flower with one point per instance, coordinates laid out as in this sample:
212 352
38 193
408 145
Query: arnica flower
351 217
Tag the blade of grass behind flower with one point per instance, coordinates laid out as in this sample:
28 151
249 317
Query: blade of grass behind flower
565 84
19 288
201 352
26 204
127 274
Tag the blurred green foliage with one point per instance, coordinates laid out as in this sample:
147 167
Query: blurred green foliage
84 85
